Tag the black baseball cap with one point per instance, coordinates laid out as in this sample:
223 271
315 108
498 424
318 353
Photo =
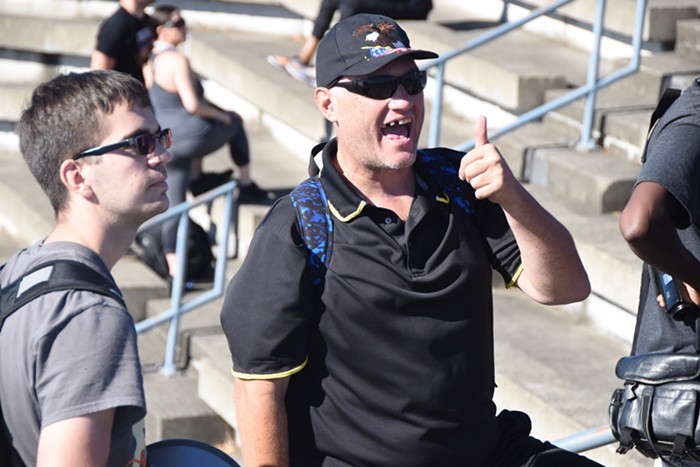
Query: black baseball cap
360 45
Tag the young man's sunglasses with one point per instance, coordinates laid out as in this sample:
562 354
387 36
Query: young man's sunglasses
175 24
383 87
145 144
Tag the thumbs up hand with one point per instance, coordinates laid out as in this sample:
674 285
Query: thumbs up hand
485 170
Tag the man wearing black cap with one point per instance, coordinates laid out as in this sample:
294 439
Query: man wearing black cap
392 365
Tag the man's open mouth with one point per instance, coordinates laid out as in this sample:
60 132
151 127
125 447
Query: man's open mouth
398 129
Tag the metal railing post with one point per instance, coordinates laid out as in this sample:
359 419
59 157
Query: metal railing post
587 142
436 114
177 306
169 367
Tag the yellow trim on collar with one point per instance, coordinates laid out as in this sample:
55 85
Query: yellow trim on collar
284 374
444 199
516 276
350 216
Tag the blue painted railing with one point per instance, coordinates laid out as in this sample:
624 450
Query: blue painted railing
589 90
178 306
586 440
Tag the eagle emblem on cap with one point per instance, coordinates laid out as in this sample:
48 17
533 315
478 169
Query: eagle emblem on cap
383 36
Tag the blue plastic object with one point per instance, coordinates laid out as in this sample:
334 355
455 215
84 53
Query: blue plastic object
187 453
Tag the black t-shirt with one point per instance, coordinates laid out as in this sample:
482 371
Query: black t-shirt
395 365
673 161
128 40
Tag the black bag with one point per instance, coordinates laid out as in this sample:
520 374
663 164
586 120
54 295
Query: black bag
57 275
658 409
200 267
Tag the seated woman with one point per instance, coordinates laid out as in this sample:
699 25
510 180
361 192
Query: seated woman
199 127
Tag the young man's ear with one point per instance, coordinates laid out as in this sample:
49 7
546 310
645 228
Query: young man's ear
325 101
73 177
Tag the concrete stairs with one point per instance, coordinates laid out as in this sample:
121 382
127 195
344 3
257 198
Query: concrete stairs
539 353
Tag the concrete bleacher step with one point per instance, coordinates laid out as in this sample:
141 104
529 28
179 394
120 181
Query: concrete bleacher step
657 72
688 37
614 271
8 245
244 70
591 182
514 71
174 408
544 360
660 21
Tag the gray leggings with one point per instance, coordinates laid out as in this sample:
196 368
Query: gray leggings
187 150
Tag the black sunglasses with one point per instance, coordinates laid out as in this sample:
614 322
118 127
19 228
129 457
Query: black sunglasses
175 24
383 87
145 144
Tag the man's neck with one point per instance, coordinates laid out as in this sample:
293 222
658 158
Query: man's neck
133 7
108 244
392 189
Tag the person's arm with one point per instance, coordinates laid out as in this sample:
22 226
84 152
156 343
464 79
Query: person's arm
76 441
552 270
648 223
177 63
262 421
308 50
101 61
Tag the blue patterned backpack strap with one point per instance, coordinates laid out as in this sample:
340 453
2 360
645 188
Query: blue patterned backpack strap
316 226
442 164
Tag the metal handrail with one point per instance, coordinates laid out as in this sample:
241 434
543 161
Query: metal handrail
590 89
586 440
177 306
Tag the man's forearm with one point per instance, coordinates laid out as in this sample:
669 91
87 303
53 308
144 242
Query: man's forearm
262 422
552 269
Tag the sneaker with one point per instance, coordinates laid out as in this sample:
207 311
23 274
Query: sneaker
252 194
294 67
209 181
300 71
278 61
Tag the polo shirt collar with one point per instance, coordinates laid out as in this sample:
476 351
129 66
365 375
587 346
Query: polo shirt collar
345 203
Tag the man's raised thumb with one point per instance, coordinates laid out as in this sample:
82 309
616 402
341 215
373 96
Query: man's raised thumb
481 136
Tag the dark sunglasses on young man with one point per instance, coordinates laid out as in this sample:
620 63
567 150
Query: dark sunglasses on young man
175 24
383 87
144 144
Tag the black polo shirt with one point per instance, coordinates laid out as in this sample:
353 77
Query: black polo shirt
395 365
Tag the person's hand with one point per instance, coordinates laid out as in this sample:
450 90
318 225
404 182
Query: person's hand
693 294
485 170
224 117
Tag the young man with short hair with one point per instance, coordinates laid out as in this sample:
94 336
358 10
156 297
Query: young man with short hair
70 379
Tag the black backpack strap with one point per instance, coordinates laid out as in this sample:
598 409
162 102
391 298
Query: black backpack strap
47 277
316 226
667 98
50 277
